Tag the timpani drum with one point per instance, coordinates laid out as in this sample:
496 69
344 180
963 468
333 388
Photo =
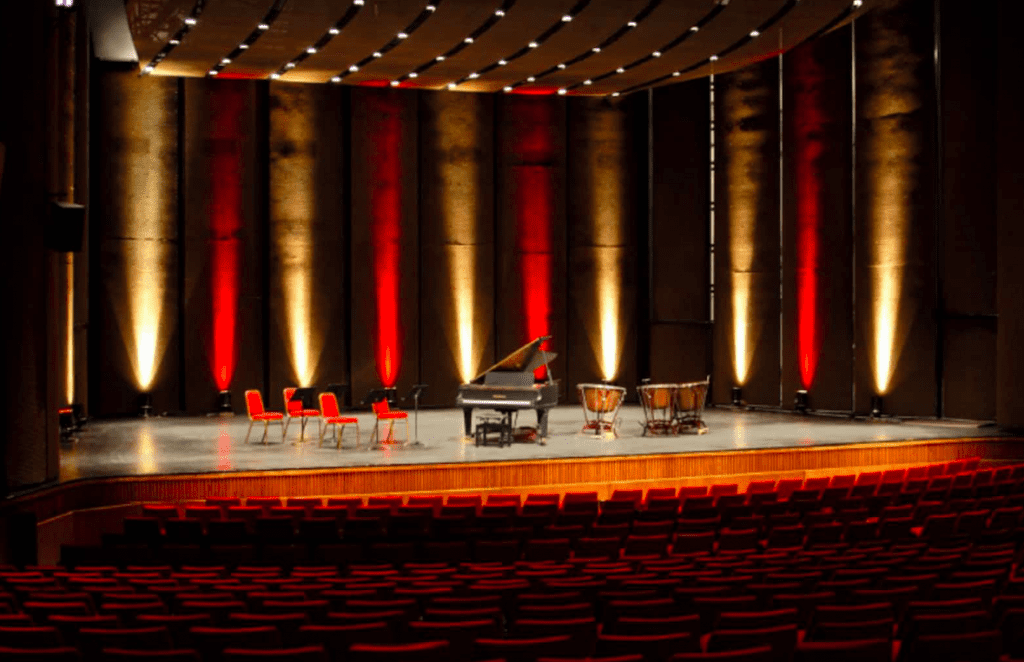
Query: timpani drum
601 403
689 407
658 402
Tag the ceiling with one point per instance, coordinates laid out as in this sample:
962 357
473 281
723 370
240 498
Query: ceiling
589 47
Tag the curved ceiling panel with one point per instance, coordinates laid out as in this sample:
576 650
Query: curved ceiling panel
603 46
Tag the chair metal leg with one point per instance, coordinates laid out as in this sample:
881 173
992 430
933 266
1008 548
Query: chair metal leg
286 421
249 431
266 431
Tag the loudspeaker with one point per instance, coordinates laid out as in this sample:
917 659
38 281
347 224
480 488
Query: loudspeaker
65 227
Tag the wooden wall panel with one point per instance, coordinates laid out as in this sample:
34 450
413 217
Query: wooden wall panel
817 296
224 234
747 234
1009 184
307 237
530 280
895 203
384 226
602 244
968 230
680 233
136 230
456 241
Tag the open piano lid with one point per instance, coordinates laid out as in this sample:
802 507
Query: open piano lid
527 358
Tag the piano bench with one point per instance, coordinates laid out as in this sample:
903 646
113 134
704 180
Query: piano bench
493 433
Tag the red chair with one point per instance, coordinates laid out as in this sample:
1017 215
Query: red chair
522 650
654 647
382 411
756 654
295 409
44 636
212 641
424 651
861 650
303 654
332 418
254 407
92 640
460 635
128 655
970 647
60 654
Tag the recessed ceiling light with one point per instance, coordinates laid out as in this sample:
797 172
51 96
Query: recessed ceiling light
561 90
148 68
499 12
263 27
502 63
290 65
311 50
530 79
214 72
190 20
451 86
566 18
334 31
631 24
588 82
402 35
275 75
507 88
533 44
394 83
353 68
561 65
243 46
468 40
596 49
857 3
694 28
656 53
675 73
615 94
620 70
225 60
377 54
413 74
755 33
358 2
713 58
336 79
174 42
431 8
474 75
439 58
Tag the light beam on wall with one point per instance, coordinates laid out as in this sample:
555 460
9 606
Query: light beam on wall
386 239
462 268
889 226
534 196
69 332
609 301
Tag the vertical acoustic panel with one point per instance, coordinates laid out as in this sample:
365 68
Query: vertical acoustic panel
531 230
895 207
308 257
680 343
747 233
385 269
223 243
968 239
602 244
1009 184
136 216
817 345
457 240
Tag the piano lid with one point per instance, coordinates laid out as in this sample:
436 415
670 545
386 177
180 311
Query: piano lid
527 358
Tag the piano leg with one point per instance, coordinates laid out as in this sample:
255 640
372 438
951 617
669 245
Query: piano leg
542 425
467 419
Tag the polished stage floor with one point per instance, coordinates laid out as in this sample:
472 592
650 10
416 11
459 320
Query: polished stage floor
192 445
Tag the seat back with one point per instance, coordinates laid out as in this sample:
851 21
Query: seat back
329 405
291 406
381 407
253 403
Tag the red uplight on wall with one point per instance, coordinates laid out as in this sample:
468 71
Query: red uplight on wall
534 196
225 225
809 147
386 239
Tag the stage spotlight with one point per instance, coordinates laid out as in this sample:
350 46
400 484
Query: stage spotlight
800 403
737 396
876 406
145 405
224 403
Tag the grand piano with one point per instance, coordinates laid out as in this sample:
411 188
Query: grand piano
508 386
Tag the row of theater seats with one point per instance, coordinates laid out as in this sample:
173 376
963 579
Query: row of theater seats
907 602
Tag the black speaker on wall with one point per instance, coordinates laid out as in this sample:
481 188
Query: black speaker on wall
65 227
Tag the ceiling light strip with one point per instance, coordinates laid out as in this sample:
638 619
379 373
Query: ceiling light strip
496 16
187 24
618 34
332 32
257 32
428 10
746 39
658 52
532 44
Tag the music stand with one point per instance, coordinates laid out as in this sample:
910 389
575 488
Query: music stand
339 391
375 395
415 393
305 395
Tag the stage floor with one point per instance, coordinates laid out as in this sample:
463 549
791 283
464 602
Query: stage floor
195 445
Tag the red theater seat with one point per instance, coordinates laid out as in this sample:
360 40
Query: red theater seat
56 654
303 654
